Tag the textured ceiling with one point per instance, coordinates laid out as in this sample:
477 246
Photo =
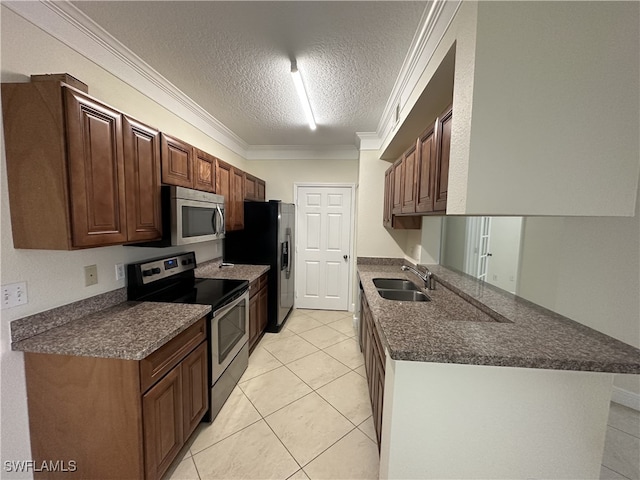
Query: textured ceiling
233 59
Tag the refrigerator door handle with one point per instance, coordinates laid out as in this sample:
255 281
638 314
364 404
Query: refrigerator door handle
288 258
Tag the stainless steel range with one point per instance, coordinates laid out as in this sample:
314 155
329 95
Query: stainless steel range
172 279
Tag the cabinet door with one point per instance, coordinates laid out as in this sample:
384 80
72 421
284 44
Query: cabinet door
96 172
442 165
263 313
250 187
426 169
177 162
223 187
408 181
163 423
195 390
254 319
397 187
262 188
237 198
204 174
142 173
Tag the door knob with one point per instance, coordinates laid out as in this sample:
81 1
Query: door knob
345 257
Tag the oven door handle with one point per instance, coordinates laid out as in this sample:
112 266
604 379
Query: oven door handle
226 308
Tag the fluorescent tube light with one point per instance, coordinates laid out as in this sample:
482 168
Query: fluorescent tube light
302 93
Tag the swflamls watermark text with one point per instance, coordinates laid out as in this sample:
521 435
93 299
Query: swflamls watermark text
40 466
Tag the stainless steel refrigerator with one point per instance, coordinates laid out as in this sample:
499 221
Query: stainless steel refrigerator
268 238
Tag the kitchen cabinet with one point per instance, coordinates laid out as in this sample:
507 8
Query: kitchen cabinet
177 162
118 418
258 314
142 180
407 187
254 188
418 180
374 362
230 184
186 166
389 220
69 172
204 175
441 177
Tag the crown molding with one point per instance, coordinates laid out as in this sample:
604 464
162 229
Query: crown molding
302 152
368 141
65 22
433 24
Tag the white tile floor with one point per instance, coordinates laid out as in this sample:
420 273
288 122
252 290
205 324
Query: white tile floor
301 411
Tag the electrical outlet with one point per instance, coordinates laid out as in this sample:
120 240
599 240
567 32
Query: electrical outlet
14 294
119 271
90 275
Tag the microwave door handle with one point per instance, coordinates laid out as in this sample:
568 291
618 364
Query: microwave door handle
214 223
220 219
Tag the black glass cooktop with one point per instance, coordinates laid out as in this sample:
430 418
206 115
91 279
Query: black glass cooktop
202 291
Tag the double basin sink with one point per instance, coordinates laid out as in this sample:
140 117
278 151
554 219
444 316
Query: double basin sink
399 289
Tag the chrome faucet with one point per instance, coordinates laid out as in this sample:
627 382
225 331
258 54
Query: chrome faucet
427 277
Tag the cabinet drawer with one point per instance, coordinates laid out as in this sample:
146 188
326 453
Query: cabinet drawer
156 365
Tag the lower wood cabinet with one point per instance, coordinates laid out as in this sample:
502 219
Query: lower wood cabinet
117 418
374 362
258 314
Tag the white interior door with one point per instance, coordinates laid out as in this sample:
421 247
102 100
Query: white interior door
323 247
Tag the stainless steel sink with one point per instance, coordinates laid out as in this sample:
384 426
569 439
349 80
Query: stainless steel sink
403 295
394 284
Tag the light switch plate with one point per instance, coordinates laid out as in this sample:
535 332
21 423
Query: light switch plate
14 294
120 271
90 275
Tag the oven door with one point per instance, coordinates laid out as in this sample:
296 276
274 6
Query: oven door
193 221
229 333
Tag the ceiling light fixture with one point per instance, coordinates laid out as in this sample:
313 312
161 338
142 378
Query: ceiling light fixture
302 93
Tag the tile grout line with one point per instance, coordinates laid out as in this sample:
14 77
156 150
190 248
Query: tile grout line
623 431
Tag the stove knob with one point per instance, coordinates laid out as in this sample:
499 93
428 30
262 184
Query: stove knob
155 271
147 273
187 262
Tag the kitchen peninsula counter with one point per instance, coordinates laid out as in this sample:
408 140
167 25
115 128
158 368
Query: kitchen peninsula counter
471 322
479 383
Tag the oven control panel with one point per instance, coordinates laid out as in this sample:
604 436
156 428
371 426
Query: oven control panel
159 268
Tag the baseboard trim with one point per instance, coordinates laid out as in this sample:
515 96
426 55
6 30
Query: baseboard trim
626 398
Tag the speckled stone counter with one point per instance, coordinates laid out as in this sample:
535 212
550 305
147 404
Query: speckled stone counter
128 330
496 328
212 269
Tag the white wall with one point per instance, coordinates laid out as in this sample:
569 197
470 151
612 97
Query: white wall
555 109
56 278
587 269
280 175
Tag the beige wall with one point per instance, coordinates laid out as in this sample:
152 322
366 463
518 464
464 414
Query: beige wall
281 175
373 240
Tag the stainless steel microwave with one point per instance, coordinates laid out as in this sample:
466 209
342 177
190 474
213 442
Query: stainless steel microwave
189 216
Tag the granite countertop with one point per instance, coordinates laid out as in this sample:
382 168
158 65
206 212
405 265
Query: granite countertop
128 330
212 269
470 322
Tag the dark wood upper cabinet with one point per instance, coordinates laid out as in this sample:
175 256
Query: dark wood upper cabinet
204 171
389 220
418 181
425 169
96 171
142 173
177 162
237 200
254 188
408 187
230 184
442 164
